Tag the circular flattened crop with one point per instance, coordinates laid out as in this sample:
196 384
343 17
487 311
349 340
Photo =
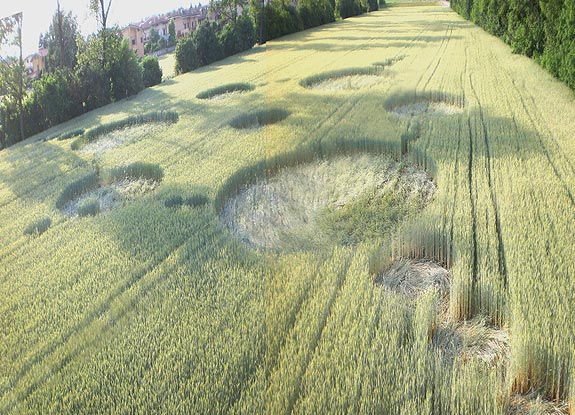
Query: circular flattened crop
426 108
474 339
90 195
225 91
109 196
107 136
344 80
259 119
534 403
342 200
120 137
412 278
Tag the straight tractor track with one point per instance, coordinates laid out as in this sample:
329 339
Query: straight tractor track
502 263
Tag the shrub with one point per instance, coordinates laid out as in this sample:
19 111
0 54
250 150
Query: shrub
259 118
38 227
372 5
281 19
70 134
138 170
89 207
151 71
224 89
174 201
315 12
208 47
186 55
125 73
237 36
77 188
52 92
347 8
197 200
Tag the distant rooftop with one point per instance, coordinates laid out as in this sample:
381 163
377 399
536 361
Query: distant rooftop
148 22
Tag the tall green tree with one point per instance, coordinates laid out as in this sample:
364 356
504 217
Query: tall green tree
101 9
186 55
525 31
154 41
315 12
61 40
208 46
172 33
12 69
227 10
238 36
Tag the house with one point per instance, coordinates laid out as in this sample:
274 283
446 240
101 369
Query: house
35 64
186 20
135 36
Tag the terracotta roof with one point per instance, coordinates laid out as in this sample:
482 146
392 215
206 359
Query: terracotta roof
199 12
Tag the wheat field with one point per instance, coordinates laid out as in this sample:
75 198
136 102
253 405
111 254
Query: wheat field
151 308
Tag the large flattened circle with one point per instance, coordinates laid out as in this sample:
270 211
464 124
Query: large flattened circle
344 199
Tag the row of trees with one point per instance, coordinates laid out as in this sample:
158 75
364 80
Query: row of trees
81 75
275 18
211 42
542 29
84 74
270 19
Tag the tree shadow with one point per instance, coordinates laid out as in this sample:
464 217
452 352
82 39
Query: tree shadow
34 171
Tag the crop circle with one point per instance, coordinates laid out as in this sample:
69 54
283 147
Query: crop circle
129 130
345 80
92 195
412 278
344 200
426 108
473 339
225 91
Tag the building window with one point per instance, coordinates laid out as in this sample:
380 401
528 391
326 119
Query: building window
133 42
185 25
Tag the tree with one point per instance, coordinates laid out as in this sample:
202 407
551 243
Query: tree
153 43
12 69
61 41
227 10
93 86
172 32
257 13
186 55
281 18
315 12
208 47
525 30
238 36
151 71
348 8
42 41
53 93
101 11
124 69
